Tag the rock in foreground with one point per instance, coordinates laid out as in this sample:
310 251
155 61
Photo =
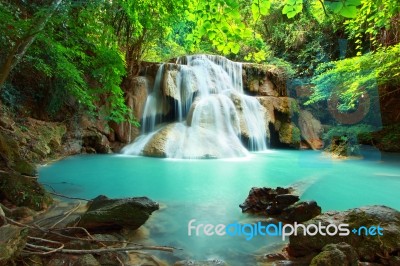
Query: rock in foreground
370 248
12 241
105 214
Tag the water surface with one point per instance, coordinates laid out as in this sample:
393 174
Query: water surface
211 190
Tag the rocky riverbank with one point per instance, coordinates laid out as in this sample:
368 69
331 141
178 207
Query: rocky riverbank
373 236
72 233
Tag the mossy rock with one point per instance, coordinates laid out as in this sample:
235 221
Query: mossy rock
336 254
8 148
9 151
24 191
12 241
370 248
290 134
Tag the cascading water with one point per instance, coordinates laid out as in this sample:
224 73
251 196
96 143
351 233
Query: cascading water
197 109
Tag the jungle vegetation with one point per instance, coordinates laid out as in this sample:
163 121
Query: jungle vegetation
72 52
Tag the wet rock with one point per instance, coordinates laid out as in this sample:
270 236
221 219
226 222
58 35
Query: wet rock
286 199
279 105
23 191
62 260
336 254
95 140
105 214
173 140
264 80
280 204
369 248
110 259
170 86
301 211
87 260
156 147
9 151
135 99
200 263
12 241
311 129
289 134
72 147
261 200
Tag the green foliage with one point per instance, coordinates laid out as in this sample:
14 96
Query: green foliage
228 25
375 24
292 8
346 8
350 78
303 41
348 133
344 140
391 138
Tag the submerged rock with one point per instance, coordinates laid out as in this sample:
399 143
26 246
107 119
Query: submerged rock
370 248
106 214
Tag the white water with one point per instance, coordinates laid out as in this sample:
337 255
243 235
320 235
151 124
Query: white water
201 101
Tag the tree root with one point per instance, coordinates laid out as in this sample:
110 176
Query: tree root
43 246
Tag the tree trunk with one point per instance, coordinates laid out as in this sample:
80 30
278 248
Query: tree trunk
20 48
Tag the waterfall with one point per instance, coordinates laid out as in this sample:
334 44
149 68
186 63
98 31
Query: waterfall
197 109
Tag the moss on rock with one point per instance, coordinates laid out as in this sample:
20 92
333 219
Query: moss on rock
23 191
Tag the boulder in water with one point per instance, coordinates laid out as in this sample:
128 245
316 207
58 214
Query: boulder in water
300 211
279 203
106 214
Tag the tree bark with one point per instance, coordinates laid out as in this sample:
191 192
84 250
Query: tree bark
22 45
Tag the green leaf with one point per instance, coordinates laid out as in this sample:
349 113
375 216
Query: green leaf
264 7
235 48
298 8
349 11
336 6
291 14
286 9
212 35
353 2
254 10
226 49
